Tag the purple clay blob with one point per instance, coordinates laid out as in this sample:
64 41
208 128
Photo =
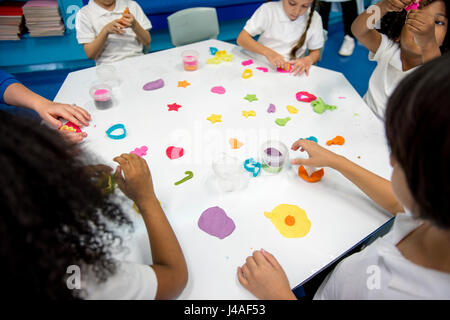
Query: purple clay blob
272 152
214 221
271 108
153 85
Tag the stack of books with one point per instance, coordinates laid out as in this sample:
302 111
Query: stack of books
42 18
11 20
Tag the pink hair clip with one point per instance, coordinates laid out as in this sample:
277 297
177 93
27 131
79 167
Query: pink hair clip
413 6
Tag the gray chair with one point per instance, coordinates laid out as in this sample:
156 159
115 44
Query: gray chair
192 25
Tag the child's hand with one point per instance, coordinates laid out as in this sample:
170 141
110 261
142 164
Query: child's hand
301 65
396 5
137 184
128 21
114 27
318 156
276 59
421 25
263 276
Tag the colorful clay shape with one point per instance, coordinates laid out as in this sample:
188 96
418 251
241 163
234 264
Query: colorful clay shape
339 140
189 175
248 73
142 151
292 109
312 138
218 90
305 96
263 69
251 97
174 107
153 85
235 143
271 108
250 113
314 177
288 69
247 62
214 221
213 50
215 118
183 84
282 121
290 220
70 126
413 6
319 106
252 166
174 152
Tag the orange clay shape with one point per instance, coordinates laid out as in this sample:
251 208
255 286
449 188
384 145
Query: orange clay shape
314 177
127 10
336 140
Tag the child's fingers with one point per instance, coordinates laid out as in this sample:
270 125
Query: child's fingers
307 71
269 257
301 161
251 263
300 143
119 178
242 278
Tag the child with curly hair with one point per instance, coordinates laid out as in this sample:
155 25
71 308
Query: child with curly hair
404 41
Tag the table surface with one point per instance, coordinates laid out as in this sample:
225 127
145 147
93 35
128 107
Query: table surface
340 214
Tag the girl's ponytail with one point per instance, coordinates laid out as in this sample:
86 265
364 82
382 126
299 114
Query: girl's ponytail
302 39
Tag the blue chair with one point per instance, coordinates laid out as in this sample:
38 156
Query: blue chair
192 25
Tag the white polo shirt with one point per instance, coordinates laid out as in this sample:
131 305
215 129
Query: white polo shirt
132 281
380 271
277 32
91 19
386 76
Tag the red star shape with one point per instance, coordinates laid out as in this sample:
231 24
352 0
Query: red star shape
174 107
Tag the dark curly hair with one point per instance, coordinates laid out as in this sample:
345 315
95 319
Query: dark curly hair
392 24
418 132
53 214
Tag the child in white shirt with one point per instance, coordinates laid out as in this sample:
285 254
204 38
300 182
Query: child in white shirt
286 29
412 261
112 30
405 41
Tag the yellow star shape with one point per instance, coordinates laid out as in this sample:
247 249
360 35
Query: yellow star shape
250 113
215 118
183 84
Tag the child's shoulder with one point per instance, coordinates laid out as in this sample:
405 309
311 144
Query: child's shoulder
271 6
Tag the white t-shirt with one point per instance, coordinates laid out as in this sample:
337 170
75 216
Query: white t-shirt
386 76
380 271
280 34
132 281
92 18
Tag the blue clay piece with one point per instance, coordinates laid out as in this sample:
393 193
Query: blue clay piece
252 166
312 138
213 50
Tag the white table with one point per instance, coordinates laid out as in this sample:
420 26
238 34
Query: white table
340 214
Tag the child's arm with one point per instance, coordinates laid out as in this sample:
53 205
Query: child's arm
95 47
143 36
303 64
18 95
246 41
375 187
422 26
363 26
168 260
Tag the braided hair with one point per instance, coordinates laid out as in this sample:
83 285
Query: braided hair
53 215
302 39
392 24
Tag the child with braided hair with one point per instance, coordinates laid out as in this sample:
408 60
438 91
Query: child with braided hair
286 29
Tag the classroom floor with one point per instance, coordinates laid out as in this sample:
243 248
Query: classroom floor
356 68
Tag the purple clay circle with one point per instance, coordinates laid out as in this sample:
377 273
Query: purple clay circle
153 85
273 153
214 221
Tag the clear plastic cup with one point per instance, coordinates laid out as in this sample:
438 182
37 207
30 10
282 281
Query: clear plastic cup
228 171
107 74
274 155
102 95
190 60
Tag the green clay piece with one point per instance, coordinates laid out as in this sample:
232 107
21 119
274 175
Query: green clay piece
188 174
282 121
251 97
319 106
271 169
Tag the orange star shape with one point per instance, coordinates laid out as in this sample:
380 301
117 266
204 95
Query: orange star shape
183 84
